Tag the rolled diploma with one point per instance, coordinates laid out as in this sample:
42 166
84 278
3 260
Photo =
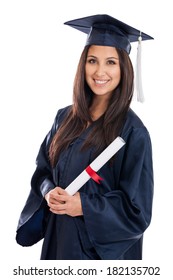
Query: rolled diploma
83 177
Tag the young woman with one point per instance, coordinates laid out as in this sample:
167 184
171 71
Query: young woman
100 221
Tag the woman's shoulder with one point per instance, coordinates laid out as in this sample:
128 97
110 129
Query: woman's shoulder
133 120
61 114
133 123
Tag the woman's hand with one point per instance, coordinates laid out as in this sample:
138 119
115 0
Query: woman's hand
60 202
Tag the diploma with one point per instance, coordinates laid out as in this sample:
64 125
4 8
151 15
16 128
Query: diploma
90 171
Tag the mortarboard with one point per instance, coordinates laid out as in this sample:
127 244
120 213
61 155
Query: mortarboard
104 30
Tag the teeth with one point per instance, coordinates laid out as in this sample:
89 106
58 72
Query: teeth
100 82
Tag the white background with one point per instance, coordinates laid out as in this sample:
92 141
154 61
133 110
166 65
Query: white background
38 59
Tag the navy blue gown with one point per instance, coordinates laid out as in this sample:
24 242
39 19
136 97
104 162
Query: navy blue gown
116 212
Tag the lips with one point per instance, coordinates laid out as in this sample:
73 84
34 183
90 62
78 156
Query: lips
100 82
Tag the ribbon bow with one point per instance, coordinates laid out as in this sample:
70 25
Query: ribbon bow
93 174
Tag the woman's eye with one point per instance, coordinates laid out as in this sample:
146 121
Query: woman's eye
92 61
112 62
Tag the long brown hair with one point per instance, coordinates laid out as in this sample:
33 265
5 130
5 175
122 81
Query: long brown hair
109 125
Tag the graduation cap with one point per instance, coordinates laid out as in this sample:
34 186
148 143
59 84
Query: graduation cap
104 30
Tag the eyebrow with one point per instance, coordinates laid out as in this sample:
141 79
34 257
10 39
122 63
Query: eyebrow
112 57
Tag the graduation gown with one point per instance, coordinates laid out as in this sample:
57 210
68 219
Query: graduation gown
116 212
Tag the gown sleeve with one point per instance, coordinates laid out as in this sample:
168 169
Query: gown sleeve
116 219
32 220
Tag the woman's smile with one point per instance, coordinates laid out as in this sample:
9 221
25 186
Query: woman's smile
101 82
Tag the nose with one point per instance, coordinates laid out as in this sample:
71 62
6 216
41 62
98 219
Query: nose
100 70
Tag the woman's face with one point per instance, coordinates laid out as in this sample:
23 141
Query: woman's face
102 70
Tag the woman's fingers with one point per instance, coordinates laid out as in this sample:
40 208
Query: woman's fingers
60 202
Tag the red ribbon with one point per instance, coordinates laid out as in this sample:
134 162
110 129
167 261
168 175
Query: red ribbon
93 174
